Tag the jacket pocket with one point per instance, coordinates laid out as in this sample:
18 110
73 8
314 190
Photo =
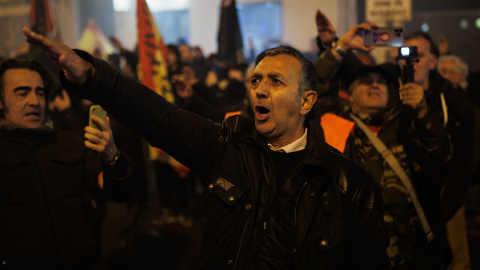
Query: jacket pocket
221 207
227 191
67 171
331 236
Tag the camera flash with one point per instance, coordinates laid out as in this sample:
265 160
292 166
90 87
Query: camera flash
405 51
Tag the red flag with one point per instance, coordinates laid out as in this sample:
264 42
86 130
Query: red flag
152 54
152 67
42 19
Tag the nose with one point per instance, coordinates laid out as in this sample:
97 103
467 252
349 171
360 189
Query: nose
33 99
261 91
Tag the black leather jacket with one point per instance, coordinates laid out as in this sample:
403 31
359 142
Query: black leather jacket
338 211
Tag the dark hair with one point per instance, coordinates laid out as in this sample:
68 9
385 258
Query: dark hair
174 49
33 65
308 78
242 67
422 35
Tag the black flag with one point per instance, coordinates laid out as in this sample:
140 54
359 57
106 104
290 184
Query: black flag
42 20
230 42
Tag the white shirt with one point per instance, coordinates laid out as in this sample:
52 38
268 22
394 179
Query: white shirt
294 146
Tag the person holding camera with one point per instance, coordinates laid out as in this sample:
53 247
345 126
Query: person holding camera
451 106
392 142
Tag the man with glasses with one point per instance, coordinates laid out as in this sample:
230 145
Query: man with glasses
410 131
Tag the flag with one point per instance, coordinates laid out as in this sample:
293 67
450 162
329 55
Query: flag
230 42
152 54
42 19
152 67
94 41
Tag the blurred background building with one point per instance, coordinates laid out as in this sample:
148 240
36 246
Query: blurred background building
262 23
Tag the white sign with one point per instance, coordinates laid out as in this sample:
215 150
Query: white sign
388 10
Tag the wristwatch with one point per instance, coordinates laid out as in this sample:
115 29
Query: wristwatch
339 49
115 159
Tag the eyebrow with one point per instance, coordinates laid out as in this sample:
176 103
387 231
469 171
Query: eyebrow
28 88
273 75
255 76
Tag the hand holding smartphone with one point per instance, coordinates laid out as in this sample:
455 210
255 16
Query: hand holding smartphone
383 36
101 140
99 112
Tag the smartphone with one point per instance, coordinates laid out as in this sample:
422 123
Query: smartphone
99 112
383 36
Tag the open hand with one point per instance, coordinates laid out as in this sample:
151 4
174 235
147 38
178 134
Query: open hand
326 31
75 69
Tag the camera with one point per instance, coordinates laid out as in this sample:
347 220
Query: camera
407 52
409 55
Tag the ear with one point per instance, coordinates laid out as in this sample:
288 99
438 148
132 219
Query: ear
350 99
309 98
433 62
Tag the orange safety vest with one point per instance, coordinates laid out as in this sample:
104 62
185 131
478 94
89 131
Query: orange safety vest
336 130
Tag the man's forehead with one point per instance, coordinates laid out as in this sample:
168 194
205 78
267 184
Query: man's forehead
19 70
421 43
18 73
281 64
21 76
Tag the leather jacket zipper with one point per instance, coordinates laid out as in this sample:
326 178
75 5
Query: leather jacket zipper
296 201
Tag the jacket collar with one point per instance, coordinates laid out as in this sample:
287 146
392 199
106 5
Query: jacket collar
437 85
317 149
16 133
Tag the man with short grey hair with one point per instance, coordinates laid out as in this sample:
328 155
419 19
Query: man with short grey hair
276 195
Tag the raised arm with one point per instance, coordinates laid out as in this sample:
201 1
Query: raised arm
337 63
189 138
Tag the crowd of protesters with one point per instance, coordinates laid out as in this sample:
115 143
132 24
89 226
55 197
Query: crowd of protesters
228 185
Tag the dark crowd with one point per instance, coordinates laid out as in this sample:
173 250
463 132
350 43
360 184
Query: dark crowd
281 160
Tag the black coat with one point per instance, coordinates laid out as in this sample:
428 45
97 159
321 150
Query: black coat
49 199
339 217
456 174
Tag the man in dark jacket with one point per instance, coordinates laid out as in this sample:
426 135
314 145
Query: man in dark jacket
452 106
276 195
49 182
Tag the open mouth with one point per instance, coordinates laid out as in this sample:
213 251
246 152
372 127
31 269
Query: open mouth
262 110
261 113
